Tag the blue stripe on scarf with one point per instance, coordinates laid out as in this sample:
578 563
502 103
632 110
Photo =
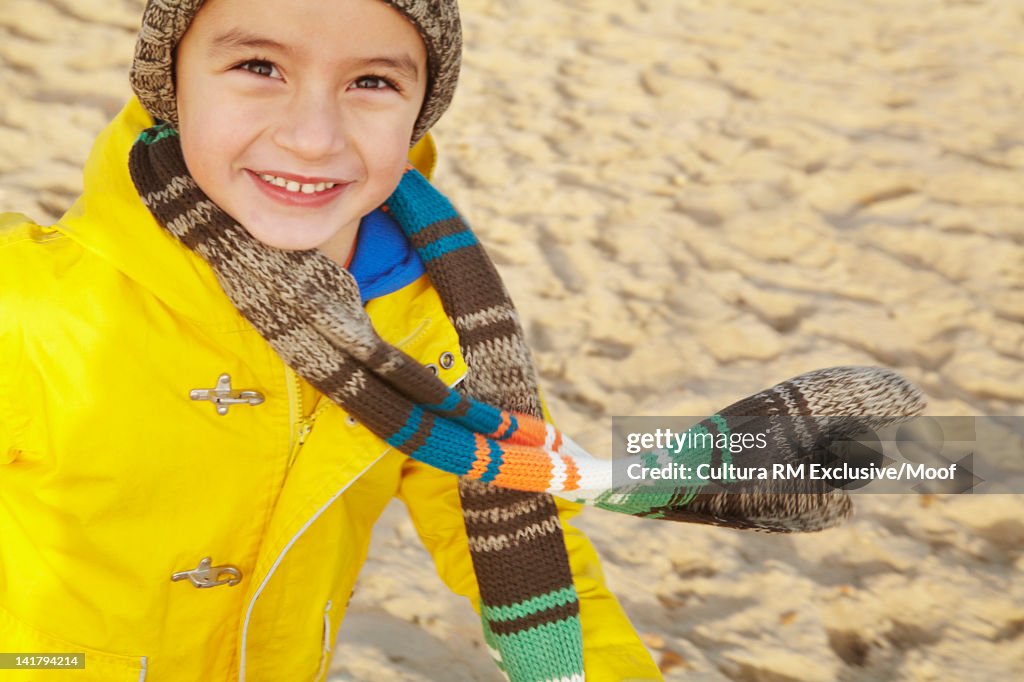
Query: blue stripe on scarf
446 446
420 204
496 461
448 404
513 426
412 424
481 417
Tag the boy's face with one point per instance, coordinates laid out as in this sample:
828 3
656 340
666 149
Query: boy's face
305 94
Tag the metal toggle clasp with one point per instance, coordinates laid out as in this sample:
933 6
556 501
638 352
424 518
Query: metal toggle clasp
223 397
206 575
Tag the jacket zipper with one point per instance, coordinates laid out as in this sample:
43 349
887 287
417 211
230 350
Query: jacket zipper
305 425
299 424
298 428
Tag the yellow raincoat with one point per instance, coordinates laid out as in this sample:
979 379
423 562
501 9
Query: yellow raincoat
112 478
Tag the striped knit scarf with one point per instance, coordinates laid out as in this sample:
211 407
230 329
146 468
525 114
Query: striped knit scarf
310 312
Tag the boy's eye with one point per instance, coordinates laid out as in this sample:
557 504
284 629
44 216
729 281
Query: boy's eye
373 83
260 68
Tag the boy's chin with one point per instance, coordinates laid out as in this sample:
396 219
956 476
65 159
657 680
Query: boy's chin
283 242
331 248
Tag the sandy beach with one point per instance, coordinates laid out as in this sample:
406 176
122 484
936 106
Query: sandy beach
689 202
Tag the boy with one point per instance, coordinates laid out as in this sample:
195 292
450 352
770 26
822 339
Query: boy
176 501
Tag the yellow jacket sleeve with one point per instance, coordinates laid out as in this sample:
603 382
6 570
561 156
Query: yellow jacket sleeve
14 227
612 650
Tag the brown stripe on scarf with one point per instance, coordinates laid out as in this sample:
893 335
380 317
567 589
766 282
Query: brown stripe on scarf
432 233
552 615
491 520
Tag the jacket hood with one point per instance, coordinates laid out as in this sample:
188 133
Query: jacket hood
110 220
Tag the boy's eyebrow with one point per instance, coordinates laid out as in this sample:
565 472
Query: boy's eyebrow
402 63
237 38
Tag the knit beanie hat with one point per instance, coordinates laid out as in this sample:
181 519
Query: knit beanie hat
165 22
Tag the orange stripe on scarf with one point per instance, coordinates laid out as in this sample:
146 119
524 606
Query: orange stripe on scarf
483 458
525 469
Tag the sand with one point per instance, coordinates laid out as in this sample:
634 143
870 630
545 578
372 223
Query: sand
691 201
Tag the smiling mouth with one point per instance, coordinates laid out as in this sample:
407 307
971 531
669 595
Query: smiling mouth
294 186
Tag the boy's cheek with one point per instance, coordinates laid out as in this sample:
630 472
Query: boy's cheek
214 131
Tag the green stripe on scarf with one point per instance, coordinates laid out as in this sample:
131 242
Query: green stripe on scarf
529 657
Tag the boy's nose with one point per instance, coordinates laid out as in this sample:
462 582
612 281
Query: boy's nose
311 126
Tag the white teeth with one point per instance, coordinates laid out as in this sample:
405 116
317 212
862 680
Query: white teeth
292 186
